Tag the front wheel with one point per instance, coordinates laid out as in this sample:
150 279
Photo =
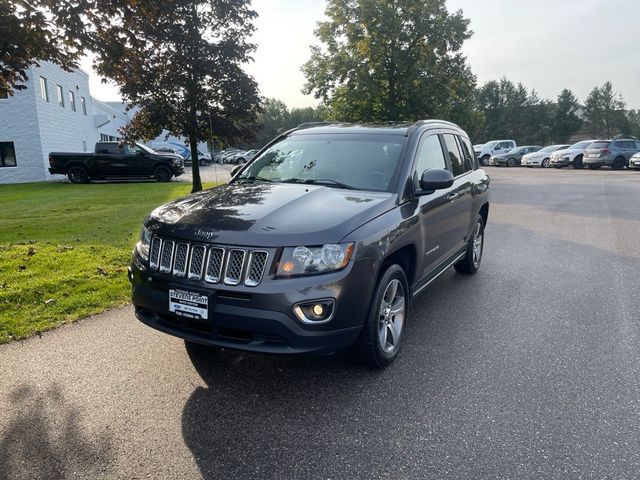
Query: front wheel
545 163
475 247
511 162
203 163
162 174
381 335
484 160
577 163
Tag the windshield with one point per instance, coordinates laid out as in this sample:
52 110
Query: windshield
599 145
551 148
360 161
146 149
489 144
580 145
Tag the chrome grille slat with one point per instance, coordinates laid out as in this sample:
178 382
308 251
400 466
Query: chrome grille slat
166 259
256 265
210 263
235 262
154 254
214 265
180 262
196 263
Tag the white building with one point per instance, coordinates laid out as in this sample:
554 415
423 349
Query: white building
54 113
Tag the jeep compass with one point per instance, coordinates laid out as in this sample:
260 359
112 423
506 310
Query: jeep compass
319 243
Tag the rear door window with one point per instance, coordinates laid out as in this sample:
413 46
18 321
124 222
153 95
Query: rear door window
458 164
467 152
599 145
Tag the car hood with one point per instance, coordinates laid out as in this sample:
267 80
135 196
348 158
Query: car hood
269 214
567 151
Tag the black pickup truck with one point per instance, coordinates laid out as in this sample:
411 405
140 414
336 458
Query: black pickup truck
318 243
116 160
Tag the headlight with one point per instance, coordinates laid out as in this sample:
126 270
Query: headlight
143 244
310 260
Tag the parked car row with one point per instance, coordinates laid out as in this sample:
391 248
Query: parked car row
616 154
235 156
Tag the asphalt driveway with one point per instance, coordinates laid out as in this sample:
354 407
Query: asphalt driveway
530 369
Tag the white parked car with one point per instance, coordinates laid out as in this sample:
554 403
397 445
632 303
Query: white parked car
541 158
634 161
572 156
494 147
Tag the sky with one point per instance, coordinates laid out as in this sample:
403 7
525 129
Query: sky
547 45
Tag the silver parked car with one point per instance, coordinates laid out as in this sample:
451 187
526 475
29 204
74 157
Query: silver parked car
572 156
634 162
611 153
542 157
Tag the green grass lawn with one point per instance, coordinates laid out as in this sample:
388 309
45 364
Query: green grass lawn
64 249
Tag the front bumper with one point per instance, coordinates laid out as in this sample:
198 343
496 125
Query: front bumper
260 319
634 163
531 162
560 162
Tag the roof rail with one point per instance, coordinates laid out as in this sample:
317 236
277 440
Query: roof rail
316 124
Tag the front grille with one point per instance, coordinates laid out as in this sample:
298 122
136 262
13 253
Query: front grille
211 263
257 263
235 262
166 259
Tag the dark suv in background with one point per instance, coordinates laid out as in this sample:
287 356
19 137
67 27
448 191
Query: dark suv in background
611 153
319 243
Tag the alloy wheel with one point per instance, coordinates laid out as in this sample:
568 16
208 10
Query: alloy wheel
391 316
478 240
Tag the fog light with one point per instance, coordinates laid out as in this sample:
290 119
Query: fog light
318 311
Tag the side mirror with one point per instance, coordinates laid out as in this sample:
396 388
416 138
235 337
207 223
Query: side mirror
436 179
235 170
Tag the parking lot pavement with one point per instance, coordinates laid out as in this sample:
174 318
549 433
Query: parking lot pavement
529 369
215 173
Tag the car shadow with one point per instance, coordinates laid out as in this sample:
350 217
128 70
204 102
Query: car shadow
45 440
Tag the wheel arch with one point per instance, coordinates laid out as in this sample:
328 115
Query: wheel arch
404 256
75 163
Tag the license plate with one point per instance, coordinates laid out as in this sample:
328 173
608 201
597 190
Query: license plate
594 155
189 304
636 162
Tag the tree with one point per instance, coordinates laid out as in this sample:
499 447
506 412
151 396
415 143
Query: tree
633 117
565 121
180 64
604 111
386 60
277 118
36 31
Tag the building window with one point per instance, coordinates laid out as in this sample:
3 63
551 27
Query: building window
72 101
84 105
44 93
104 137
60 94
7 155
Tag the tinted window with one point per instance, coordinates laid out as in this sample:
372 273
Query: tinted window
429 156
458 165
467 152
599 145
362 161
109 148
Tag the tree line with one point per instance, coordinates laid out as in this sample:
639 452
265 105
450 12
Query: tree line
180 63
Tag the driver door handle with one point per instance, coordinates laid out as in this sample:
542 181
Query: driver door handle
452 196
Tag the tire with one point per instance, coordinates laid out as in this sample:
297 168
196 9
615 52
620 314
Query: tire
241 161
619 163
470 264
78 174
511 162
162 173
381 336
577 163
483 160
594 167
203 163
545 163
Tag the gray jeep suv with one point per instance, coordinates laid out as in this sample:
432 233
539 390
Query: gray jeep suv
319 243
610 153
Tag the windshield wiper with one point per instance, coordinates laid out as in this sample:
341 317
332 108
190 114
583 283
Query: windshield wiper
320 181
254 179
